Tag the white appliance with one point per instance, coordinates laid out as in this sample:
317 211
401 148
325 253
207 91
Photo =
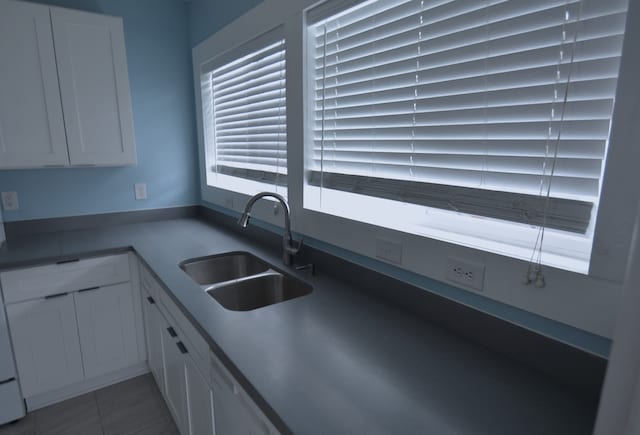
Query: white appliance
11 403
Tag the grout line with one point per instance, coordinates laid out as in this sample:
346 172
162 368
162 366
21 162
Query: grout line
95 399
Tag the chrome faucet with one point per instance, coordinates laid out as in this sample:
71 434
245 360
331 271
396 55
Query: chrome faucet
288 248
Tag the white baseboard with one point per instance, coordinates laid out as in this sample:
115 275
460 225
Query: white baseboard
51 397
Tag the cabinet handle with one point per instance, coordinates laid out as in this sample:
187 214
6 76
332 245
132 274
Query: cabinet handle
88 289
150 300
57 295
172 332
182 347
6 381
67 261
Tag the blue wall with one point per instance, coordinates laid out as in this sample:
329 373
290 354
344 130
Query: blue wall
208 16
159 59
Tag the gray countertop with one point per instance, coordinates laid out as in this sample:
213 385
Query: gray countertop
337 361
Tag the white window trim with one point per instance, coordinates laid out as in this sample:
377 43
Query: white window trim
586 302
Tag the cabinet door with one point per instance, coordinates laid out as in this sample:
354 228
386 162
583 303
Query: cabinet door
94 86
31 125
199 401
107 325
46 344
233 415
175 380
153 333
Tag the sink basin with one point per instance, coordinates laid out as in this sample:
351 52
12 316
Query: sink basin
224 267
259 291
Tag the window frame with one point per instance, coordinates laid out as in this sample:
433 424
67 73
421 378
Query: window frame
587 302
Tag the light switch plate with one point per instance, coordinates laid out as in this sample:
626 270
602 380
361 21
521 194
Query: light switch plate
389 251
10 201
140 190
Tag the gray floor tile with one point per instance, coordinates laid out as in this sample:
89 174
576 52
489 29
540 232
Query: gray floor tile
74 416
25 426
162 428
129 407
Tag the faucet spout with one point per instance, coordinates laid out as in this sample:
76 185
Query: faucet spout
288 247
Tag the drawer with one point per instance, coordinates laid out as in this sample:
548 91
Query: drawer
199 344
37 282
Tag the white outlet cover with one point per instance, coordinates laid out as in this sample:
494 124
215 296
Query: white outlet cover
10 201
140 190
465 273
389 251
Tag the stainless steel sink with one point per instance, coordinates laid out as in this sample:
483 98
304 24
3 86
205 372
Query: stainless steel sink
240 281
224 267
259 291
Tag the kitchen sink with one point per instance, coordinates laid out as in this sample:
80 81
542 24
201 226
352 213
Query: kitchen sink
259 291
224 267
240 281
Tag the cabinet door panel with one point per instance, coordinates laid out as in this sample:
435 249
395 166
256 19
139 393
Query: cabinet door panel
46 344
107 324
153 333
31 124
200 401
233 415
94 86
174 374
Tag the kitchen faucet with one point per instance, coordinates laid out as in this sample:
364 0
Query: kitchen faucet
288 248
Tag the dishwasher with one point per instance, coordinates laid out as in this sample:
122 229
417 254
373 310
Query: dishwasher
11 403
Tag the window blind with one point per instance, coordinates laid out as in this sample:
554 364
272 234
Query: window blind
245 94
472 106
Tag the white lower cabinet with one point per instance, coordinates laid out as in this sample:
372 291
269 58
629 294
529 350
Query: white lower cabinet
175 382
74 325
106 323
199 401
234 413
203 398
46 343
153 334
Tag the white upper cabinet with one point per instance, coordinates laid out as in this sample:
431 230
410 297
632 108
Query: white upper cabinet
64 86
94 85
31 124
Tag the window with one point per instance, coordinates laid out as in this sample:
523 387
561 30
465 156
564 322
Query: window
473 122
244 117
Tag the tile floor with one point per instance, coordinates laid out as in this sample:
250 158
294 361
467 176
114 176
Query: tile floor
133 407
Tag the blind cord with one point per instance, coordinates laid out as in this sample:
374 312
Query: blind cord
535 272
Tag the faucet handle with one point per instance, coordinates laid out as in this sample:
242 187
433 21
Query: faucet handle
293 250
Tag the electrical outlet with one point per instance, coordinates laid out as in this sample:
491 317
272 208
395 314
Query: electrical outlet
467 273
140 190
389 251
10 201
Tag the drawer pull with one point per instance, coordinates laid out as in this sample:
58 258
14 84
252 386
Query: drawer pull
68 261
88 289
150 300
172 332
6 381
57 295
182 347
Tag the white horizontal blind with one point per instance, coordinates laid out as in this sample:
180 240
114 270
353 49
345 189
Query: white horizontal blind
246 117
461 104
